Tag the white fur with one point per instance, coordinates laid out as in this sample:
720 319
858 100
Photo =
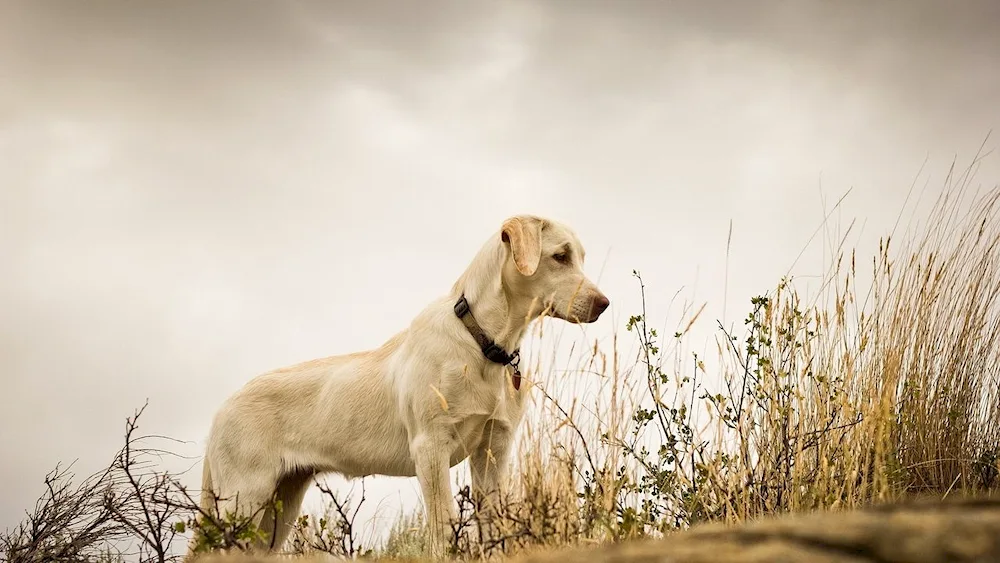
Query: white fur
417 405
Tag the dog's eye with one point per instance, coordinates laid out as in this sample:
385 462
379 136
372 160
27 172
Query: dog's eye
561 257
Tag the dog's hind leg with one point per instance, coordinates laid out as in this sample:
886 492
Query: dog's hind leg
245 490
206 505
291 490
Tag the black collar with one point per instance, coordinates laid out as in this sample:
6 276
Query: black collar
493 353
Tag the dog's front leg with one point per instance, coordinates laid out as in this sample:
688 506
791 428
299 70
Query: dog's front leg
489 465
431 452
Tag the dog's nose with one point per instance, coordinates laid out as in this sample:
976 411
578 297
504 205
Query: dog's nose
600 304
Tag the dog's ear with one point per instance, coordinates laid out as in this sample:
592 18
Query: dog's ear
524 235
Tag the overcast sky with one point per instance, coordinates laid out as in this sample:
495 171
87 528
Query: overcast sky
192 193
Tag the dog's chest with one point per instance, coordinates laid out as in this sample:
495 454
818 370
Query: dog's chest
482 400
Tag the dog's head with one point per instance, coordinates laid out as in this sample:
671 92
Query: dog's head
544 267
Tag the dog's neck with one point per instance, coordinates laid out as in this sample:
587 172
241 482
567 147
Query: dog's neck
492 304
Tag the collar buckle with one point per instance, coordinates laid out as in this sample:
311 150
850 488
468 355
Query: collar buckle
462 307
496 354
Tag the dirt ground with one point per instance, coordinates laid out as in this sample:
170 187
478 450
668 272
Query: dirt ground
961 530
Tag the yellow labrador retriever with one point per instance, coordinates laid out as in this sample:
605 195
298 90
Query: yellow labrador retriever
445 389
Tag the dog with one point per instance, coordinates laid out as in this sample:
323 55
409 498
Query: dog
445 389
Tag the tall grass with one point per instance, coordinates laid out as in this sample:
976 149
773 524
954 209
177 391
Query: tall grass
882 384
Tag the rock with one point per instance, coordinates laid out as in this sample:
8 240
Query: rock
913 532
